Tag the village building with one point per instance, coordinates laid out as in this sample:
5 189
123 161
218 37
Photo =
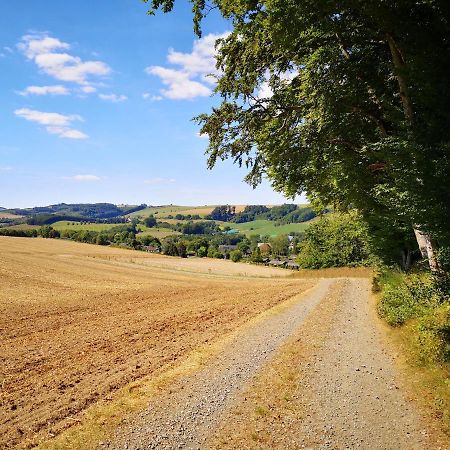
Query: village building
264 247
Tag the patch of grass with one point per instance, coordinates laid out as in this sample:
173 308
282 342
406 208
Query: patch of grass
263 227
419 312
261 411
24 226
78 226
163 211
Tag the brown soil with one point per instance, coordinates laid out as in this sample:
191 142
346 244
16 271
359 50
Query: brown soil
80 321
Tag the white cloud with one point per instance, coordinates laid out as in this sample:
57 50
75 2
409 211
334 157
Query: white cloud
180 86
194 77
45 51
202 136
158 180
152 98
114 98
8 49
5 168
55 123
83 178
45 90
88 89
68 133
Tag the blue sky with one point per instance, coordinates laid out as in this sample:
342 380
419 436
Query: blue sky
96 102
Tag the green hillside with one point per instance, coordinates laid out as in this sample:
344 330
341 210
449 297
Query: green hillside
268 227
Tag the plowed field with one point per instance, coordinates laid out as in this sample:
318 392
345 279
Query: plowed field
80 321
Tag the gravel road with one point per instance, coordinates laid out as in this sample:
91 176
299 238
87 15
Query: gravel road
186 416
350 394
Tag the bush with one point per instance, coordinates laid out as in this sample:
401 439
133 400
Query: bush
433 337
150 222
235 255
419 301
406 297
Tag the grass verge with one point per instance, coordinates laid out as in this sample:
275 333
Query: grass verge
416 306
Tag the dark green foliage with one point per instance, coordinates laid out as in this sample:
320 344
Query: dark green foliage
250 212
235 255
79 211
150 222
418 299
48 219
360 104
48 232
278 212
18 233
279 245
169 247
182 249
334 241
198 228
256 256
185 217
299 215
150 240
223 213
213 252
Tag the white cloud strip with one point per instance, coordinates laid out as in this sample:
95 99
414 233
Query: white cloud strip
50 56
55 123
194 78
45 90
113 98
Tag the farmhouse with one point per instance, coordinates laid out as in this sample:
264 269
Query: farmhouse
292 265
277 263
264 247
150 249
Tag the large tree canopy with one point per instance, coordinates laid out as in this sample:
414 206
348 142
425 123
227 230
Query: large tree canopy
348 101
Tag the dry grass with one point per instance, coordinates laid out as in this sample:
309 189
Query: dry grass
81 322
5 215
335 272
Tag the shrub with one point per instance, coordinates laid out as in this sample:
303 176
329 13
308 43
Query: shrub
406 297
235 255
417 299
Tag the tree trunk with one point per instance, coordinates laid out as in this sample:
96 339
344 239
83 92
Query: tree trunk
426 248
406 258
400 66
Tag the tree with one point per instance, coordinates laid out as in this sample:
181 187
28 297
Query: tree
48 232
223 213
182 249
150 222
333 241
256 256
169 247
235 255
357 109
280 245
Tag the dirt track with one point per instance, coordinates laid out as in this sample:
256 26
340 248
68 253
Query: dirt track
349 393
